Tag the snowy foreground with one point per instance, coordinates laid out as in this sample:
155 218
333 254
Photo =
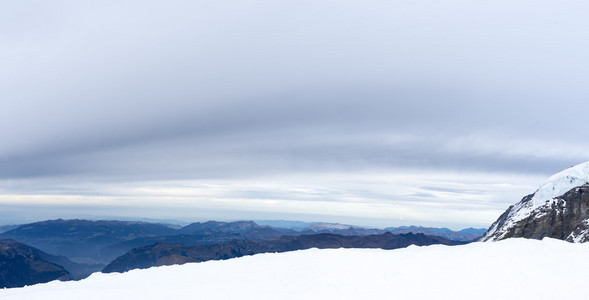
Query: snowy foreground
510 269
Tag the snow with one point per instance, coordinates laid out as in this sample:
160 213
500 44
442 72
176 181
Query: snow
561 183
509 269
555 186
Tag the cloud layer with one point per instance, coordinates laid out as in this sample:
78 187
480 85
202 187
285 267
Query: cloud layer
150 94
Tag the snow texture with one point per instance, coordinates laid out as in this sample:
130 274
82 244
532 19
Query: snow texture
509 269
561 183
557 185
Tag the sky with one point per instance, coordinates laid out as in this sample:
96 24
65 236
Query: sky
379 113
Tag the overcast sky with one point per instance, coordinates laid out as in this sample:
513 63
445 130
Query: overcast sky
376 113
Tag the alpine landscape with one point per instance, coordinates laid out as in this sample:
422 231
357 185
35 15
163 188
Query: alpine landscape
333 149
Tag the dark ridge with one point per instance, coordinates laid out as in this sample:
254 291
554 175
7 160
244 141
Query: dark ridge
22 265
166 254
200 238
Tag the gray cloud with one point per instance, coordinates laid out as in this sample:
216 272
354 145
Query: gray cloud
451 190
124 92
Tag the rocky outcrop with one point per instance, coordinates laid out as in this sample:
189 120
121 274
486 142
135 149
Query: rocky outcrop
558 209
565 217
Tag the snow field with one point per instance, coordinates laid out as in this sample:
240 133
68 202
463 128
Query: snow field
509 269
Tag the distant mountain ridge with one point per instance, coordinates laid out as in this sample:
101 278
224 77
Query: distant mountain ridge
468 234
83 247
169 254
214 226
102 241
194 238
96 242
81 240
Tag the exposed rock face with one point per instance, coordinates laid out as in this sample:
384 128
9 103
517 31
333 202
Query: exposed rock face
564 217
558 209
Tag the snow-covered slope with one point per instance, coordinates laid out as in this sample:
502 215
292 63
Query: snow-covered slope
514 268
561 183
547 200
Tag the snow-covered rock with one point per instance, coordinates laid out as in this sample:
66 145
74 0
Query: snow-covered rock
558 209
431 272
561 182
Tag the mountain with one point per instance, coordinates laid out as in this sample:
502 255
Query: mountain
468 234
22 265
558 209
92 244
319 227
207 237
81 240
287 224
169 254
214 226
97 243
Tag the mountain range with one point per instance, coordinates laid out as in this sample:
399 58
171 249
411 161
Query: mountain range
169 254
82 247
99 242
468 234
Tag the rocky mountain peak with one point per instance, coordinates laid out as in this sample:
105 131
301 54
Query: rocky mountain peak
558 209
